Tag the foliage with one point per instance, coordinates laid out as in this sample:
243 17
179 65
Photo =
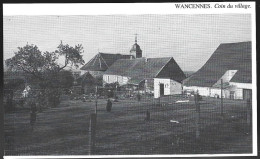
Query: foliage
112 86
66 79
44 68
13 83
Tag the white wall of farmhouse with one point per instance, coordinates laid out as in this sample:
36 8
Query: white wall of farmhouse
209 91
175 87
204 91
83 71
122 80
236 89
170 87
239 89
242 85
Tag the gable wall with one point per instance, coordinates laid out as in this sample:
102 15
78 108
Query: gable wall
172 71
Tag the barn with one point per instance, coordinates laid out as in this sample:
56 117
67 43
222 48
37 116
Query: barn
163 75
87 83
231 63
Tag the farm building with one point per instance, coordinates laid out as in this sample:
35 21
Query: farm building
101 62
163 76
87 83
232 63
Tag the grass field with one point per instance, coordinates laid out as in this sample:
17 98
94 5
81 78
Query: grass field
123 131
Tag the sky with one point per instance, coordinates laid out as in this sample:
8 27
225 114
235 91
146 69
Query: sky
189 39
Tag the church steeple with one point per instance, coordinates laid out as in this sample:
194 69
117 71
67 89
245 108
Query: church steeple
136 50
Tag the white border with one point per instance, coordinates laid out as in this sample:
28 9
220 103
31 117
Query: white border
118 8
254 88
135 9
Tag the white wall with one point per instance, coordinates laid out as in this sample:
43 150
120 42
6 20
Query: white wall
175 87
241 85
115 78
83 71
239 88
170 87
239 93
204 91
157 82
217 91
209 91
228 75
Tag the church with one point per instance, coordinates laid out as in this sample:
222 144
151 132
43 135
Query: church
161 76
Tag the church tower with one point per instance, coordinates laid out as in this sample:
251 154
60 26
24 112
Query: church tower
136 50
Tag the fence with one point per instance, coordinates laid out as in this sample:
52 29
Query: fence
168 125
176 124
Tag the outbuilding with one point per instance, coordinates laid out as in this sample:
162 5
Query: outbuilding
231 63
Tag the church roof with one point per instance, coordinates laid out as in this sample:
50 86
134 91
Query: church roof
102 61
136 48
228 56
146 68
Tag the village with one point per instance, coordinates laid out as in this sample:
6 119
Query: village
130 104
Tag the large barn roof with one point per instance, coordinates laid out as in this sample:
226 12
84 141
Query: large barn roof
102 61
145 68
228 56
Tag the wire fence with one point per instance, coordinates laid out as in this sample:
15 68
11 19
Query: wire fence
138 123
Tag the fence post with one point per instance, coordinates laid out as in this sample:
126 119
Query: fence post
196 97
221 97
159 100
92 133
248 112
96 100
147 115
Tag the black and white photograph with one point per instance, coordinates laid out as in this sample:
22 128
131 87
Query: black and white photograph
129 80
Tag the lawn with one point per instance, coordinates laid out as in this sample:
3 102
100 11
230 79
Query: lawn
64 130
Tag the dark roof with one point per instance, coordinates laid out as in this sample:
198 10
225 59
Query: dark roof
86 78
136 48
102 61
228 56
144 68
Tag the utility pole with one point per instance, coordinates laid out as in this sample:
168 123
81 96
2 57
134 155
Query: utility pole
96 101
249 109
196 97
92 133
221 97
116 91
159 94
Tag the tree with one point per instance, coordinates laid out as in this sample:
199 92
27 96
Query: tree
66 79
44 68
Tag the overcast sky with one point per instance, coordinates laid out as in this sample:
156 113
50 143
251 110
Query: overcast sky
189 39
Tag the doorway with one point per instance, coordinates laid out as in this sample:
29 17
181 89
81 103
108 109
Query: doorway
247 94
232 94
161 89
